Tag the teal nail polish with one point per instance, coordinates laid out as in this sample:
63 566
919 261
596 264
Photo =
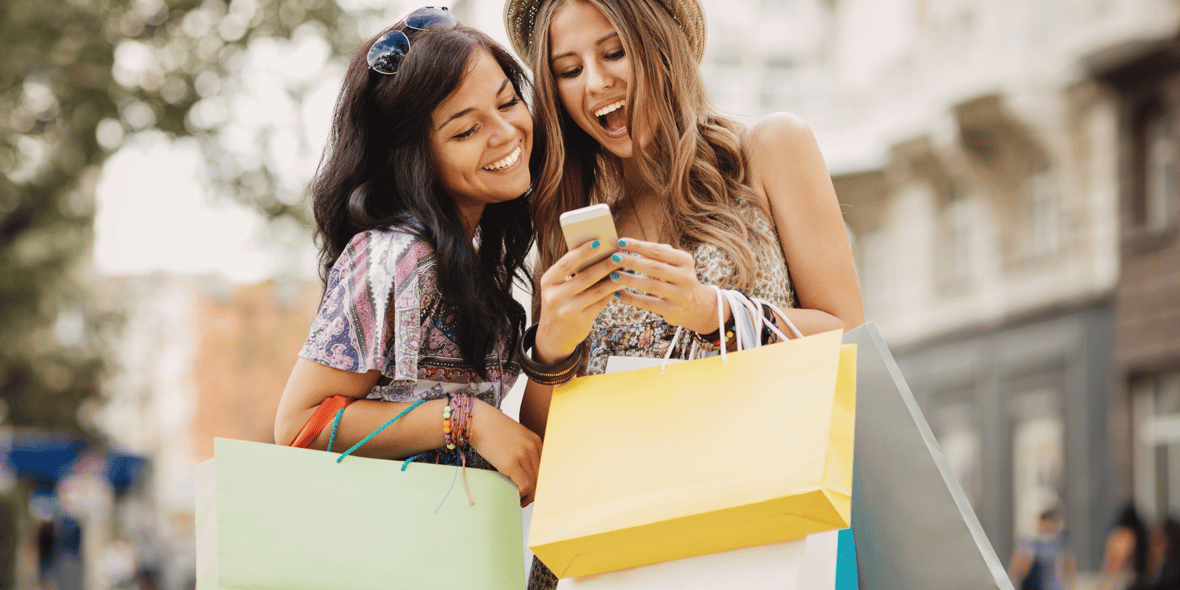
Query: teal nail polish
618 295
630 272
635 254
616 258
622 243
614 276
595 244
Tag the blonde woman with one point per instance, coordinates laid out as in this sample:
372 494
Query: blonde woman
623 118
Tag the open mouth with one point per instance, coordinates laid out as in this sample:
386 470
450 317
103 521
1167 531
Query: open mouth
613 117
508 161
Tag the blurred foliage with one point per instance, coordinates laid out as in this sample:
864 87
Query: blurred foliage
78 78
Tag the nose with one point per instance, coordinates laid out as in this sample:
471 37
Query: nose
597 78
503 131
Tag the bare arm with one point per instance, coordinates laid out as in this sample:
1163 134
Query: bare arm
311 383
512 449
569 303
787 167
789 172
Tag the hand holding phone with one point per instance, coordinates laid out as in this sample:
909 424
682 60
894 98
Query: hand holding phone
588 224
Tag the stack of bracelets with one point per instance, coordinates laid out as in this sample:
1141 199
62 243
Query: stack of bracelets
715 337
457 421
548 374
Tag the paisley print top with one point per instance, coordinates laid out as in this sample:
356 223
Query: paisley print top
382 311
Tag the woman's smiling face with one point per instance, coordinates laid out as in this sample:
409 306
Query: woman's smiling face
592 71
481 138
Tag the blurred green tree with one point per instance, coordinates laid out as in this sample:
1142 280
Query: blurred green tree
78 78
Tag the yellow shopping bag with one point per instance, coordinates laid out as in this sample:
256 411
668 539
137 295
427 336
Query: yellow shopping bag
708 455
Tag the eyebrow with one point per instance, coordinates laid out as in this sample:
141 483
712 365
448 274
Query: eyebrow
598 42
470 109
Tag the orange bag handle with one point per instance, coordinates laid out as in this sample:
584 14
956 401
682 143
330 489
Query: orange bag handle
324 413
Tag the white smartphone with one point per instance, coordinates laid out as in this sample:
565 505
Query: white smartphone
587 224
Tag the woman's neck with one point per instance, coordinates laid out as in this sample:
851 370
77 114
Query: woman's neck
640 210
471 217
635 187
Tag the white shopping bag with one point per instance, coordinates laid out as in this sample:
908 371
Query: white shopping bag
803 564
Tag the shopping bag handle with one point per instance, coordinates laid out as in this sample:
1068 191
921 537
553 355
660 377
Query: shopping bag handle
780 314
330 410
319 419
336 422
748 323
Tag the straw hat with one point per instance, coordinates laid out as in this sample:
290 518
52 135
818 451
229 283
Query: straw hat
520 17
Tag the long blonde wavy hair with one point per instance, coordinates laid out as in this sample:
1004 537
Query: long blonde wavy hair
694 160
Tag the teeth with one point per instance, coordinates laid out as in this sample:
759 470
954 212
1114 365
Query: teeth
506 162
610 108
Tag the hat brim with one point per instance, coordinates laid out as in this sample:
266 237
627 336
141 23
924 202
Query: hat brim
520 18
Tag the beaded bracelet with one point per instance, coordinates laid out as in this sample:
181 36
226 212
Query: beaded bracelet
457 421
462 420
714 337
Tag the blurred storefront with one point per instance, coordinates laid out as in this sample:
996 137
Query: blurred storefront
996 182
78 500
199 358
1144 75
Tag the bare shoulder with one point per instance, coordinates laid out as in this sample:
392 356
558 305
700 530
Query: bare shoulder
778 132
782 150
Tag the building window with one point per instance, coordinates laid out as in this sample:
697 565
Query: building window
1154 203
1155 400
778 89
1045 200
1038 460
959 438
875 260
958 227
728 88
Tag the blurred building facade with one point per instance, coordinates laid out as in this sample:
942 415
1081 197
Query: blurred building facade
1008 175
200 358
1144 75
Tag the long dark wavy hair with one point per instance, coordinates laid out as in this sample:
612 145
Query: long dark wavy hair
377 172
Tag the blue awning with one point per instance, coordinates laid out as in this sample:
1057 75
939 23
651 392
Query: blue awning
44 460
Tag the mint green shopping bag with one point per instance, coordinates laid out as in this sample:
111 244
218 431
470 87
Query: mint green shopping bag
283 518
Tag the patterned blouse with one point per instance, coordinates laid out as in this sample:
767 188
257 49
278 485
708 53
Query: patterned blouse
623 330
382 311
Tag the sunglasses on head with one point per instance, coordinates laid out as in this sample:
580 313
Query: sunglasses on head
390 49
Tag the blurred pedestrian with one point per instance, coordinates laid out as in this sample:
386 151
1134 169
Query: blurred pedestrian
1124 563
1164 556
1043 562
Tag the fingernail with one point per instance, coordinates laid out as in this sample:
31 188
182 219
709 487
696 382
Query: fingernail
630 272
595 244
622 243
636 254
614 276
618 295
616 258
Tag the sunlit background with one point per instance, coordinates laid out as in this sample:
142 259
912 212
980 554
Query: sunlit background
1007 170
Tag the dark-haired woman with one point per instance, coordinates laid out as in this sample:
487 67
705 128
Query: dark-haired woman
422 230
